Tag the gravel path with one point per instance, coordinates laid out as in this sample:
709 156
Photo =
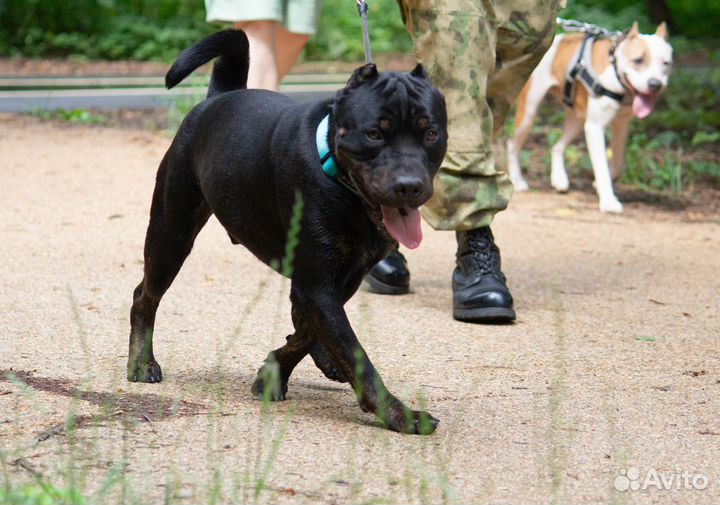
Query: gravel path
613 364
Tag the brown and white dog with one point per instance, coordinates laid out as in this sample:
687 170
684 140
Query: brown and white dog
628 86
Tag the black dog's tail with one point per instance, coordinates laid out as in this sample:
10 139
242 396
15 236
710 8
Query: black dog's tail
230 70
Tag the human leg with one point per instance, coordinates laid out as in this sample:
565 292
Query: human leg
262 38
261 21
459 70
288 48
480 56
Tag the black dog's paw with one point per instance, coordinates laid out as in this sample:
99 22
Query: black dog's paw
413 422
147 372
326 364
268 386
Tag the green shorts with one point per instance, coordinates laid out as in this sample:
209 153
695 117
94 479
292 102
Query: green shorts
297 16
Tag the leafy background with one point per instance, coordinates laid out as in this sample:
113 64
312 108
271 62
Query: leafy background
158 29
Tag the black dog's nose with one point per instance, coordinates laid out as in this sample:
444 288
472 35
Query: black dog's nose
654 85
408 186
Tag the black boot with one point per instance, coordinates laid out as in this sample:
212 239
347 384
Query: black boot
480 294
390 276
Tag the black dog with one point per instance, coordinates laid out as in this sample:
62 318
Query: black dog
244 155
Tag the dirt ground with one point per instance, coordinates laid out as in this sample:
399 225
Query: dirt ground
613 364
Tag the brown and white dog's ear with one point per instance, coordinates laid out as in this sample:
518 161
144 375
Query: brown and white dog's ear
634 31
662 31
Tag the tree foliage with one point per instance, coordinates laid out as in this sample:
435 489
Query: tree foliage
159 29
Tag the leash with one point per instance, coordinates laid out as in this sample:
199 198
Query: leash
362 8
327 157
573 25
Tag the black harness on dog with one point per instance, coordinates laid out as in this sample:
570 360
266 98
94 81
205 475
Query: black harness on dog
582 71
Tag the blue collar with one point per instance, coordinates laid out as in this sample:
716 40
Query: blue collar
327 160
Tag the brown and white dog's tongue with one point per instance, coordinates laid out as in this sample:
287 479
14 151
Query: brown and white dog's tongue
403 225
643 105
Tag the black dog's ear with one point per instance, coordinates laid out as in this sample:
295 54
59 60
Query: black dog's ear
365 73
420 72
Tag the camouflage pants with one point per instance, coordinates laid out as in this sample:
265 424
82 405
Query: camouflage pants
479 53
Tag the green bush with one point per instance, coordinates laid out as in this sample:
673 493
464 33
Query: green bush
672 147
614 17
340 34
690 105
160 29
108 29
690 18
695 18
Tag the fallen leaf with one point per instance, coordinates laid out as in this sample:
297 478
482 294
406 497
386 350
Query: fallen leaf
565 212
643 338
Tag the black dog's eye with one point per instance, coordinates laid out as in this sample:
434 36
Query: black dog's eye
374 135
431 135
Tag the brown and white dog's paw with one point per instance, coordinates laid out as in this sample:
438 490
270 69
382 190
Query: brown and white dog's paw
611 205
560 181
520 184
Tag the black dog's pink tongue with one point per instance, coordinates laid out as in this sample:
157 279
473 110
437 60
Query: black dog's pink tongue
403 225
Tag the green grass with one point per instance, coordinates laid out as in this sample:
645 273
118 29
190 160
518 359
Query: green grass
285 266
41 493
77 116
74 466
75 481
644 338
